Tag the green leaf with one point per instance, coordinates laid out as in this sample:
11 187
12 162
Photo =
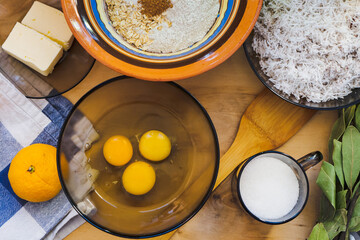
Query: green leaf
349 115
338 127
327 181
354 225
337 224
337 131
355 189
351 155
327 211
357 117
318 233
337 159
341 199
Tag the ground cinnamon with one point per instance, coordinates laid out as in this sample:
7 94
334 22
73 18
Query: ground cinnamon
153 8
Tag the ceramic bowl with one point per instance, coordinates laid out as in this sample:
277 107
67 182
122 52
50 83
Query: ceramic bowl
235 22
131 107
97 13
253 58
68 72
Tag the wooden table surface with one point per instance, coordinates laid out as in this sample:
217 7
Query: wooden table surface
225 92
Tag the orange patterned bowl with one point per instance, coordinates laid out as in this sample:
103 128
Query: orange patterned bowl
236 24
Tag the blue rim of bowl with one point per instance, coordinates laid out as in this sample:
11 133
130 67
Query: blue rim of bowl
182 222
90 29
247 45
100 23
242 202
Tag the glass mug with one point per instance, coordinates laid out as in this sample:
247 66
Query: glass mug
265 185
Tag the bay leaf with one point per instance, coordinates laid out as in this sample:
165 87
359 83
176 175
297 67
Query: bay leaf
327 211
337 224
357 117
355 189
354 225
349 115
351 156
326 180
318 233
337 159
341 199
337 131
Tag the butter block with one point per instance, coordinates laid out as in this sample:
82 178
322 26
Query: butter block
33 49
50 22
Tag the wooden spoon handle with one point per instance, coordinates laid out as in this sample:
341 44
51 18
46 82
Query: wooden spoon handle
267 124
241 149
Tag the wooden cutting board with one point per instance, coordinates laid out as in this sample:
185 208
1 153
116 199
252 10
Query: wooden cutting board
226 92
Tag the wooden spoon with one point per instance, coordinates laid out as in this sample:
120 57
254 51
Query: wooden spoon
267 123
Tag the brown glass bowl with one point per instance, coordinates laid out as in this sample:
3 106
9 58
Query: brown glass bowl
68 72
131 107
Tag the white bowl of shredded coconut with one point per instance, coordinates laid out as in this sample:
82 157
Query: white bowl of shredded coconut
307 52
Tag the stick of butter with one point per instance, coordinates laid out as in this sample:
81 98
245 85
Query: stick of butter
33 49
50 22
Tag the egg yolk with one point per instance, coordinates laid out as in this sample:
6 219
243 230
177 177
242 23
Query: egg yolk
118 150
139 178
154 145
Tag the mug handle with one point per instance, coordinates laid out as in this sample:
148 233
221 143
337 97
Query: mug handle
310 160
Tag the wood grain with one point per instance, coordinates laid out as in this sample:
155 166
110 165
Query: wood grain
223 218
226 92
266 124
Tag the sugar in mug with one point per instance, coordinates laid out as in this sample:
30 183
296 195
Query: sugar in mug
297 166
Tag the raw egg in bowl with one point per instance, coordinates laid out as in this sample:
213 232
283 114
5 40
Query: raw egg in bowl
142 157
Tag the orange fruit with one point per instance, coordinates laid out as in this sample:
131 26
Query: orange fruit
33 173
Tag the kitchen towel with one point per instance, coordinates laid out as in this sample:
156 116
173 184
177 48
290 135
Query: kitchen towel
23 122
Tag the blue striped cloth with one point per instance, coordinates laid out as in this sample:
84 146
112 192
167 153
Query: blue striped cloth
24 122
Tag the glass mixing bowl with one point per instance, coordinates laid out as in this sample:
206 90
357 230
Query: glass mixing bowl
130 107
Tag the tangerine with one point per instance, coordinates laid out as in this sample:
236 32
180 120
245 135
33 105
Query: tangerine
33 173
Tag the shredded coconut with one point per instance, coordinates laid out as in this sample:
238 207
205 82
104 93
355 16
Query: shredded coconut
310 48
